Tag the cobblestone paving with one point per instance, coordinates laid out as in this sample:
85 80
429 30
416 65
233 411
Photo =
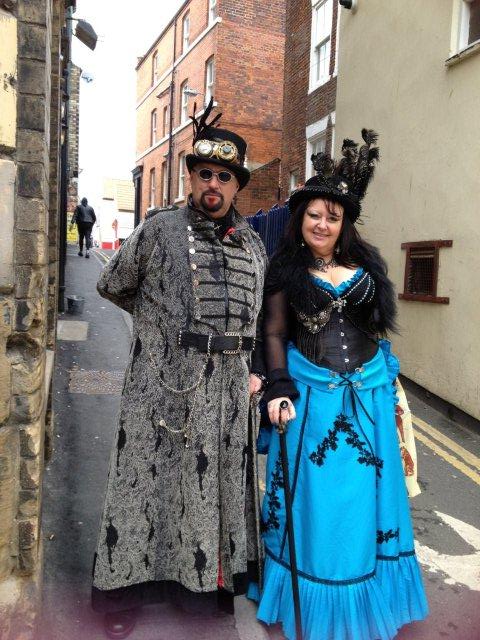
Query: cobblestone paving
95 382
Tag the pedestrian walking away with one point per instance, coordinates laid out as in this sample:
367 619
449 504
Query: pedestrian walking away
179 521
328 307
84 217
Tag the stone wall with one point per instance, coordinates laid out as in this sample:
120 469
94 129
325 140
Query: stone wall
29 139
54 181
73 137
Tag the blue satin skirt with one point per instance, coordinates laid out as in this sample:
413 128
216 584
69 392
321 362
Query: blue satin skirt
358 574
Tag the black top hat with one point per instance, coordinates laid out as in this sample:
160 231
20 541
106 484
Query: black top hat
218 146
344 182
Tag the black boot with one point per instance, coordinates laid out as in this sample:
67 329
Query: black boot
80 253
120 624
87 255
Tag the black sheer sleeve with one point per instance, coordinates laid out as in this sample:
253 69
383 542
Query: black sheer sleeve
258 357
275 337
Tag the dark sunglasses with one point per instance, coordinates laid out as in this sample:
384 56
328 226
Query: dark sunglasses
207 174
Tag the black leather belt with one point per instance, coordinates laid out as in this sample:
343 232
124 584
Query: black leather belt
230 343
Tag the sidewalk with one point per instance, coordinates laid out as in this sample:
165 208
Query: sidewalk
92 352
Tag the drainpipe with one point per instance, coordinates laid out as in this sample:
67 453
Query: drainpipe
64 169
172 108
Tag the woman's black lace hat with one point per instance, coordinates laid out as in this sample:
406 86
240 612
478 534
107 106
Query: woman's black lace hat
345 181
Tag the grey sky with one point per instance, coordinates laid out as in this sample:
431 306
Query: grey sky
107 103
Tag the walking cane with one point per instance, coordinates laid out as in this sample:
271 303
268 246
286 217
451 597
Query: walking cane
282 430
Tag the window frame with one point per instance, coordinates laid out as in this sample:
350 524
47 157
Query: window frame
464 26
153 127
311 143
186 36
212 11
155 67
152 188
460 49
165 121
317 43
294 176
183 102
209 88
436 245
164 184
314 132
181 172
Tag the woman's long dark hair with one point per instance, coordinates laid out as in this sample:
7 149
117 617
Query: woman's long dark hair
293 259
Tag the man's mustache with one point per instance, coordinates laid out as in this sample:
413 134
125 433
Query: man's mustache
212 193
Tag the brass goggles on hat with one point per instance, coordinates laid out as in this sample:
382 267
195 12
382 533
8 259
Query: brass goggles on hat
221 150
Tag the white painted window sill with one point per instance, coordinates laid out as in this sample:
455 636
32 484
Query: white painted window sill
319 84
471 50
179 199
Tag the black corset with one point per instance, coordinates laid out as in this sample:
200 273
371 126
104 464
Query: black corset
339 345
332 327
337 334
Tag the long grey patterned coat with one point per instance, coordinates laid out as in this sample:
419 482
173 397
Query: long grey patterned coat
171 512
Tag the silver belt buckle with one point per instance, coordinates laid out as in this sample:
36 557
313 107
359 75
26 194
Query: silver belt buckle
237 351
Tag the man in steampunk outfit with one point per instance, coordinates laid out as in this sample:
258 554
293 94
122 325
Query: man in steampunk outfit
179 518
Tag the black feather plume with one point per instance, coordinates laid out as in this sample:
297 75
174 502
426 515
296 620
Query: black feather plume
367 157
347 165
194 120
200 125
356 165
323 164
370 136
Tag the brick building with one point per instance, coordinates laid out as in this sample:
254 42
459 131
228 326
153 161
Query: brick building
233 51
311 59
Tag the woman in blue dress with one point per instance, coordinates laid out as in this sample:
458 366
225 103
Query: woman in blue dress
328 303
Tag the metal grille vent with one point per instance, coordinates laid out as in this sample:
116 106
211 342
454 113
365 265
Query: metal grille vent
421 271
421 276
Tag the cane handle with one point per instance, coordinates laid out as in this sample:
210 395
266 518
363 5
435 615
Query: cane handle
282 424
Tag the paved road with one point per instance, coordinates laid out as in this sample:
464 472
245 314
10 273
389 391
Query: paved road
446 514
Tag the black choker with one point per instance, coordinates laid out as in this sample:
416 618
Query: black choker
322 265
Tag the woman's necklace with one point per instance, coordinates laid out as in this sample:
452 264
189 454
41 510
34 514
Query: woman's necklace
322 265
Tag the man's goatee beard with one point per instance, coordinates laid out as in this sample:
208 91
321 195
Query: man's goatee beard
212 208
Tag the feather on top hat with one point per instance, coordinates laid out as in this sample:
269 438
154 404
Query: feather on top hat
345 181
217 146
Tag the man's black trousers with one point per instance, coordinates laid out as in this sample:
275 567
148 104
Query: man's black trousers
85 231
